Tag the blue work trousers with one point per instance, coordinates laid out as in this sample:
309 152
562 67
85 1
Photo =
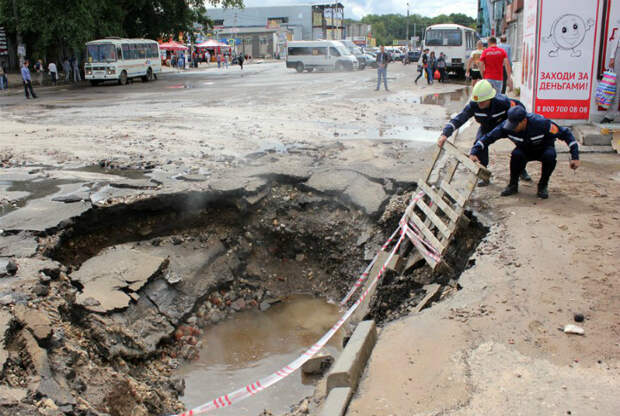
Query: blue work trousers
520 158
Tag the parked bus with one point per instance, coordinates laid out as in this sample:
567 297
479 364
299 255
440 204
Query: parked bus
116 59
320 54
455 41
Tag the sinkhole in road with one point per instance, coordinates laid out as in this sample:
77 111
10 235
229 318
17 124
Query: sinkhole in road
222 273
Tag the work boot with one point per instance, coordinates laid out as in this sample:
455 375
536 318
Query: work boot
526 176
511 189
542 191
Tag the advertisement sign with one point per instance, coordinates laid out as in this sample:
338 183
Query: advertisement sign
4 48
565 58
528 63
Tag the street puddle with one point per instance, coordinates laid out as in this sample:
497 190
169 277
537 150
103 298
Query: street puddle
253 344
452 101
124 173
22 192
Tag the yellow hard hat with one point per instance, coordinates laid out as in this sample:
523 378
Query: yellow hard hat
483 91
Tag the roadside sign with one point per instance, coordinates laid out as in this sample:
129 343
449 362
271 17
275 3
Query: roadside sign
563 59
4 48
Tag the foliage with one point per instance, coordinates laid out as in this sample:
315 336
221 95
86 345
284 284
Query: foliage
388 27
52 28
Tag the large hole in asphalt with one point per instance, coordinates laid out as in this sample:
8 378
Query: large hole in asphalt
192 266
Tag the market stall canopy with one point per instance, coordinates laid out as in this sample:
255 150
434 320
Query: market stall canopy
212 43
172 46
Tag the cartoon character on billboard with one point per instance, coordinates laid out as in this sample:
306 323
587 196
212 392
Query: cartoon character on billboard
568 32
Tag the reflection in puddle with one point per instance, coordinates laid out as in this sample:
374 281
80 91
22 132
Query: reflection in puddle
452 101
251 345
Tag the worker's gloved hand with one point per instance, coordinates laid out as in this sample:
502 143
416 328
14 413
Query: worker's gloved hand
474 158
442 139
574 164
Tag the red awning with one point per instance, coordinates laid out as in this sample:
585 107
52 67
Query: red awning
172 46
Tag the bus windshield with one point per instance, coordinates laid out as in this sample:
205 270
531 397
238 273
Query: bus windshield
443 37
101 53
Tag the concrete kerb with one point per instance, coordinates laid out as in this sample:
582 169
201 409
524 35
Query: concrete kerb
337 402
349 366
344 377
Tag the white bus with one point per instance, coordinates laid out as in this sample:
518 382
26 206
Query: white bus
455 41
116 59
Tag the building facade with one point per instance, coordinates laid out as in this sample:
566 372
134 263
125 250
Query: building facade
264 31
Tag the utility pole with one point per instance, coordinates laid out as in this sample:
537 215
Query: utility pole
408 41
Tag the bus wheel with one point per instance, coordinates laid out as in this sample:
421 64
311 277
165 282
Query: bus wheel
94 83
123 78
148 77
299 67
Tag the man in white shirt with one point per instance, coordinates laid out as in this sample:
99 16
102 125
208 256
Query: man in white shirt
612 111
53 72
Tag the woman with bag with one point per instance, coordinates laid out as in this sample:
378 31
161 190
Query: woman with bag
441 67
424 67
432 67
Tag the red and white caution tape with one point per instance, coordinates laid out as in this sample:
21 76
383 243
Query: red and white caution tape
250 390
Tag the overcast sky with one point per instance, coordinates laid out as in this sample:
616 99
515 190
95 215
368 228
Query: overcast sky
356 9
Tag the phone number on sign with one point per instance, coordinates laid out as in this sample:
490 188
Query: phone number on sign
575 109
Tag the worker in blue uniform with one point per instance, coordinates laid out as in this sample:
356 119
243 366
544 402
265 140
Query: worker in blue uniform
534 137
490 110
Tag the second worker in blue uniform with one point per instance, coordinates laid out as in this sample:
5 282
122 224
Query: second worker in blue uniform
490 110
534 137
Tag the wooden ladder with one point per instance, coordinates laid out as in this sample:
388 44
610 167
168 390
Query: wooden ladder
438 210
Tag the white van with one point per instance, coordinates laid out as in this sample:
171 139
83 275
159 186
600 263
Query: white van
323 54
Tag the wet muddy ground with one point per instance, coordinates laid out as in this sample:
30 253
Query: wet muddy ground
146 220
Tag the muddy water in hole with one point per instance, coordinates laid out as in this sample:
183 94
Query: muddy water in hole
254 344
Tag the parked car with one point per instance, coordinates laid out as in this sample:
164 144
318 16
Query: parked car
412 56
371 60
356 51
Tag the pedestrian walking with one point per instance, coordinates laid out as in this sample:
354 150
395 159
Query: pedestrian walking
27 80
226 56
490 110
534 138
39 69
383 59
3 80
473 64
503 44
432 66
75 66
218 58
241 59
441 67
53 71
424 66
492 63
208 57
66 67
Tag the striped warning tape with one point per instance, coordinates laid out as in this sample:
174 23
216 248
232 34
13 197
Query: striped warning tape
265 382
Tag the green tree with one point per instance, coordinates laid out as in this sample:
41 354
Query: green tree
52 28
388 27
